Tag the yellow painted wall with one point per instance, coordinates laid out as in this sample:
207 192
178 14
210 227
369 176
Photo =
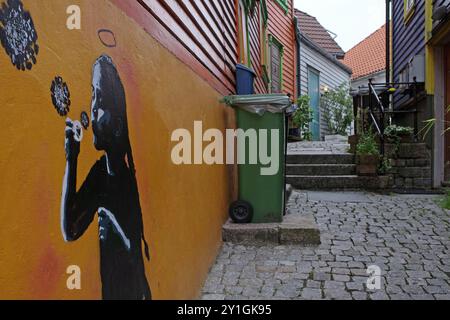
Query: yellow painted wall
183 207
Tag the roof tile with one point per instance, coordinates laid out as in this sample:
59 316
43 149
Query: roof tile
311 28
368 56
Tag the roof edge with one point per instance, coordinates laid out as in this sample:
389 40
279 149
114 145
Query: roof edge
325 53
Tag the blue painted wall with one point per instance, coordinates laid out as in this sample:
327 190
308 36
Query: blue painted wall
408 37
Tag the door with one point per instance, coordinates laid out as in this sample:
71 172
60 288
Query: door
314 96
447 114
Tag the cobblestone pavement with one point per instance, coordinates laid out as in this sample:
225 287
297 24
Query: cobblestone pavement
408 237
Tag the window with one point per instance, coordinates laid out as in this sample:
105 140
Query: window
276 65
404 77
409 8
264 43
244 39
283 4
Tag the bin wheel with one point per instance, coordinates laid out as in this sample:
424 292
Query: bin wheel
241 212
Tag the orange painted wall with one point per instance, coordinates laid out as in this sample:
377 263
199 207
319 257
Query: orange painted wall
183 207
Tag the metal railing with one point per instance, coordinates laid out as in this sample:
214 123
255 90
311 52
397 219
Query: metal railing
379 110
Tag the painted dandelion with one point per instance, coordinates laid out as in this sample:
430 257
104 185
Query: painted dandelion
60 96
18 35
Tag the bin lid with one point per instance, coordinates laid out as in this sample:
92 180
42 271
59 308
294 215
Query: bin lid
260 103
245 68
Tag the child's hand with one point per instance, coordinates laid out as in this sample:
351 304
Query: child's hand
72 143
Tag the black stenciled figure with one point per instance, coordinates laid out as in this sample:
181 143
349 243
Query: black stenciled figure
110 190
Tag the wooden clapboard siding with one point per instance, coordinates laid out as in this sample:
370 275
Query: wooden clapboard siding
201 33
408 38
281 26
331 75
254 24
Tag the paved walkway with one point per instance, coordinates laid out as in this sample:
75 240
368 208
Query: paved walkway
407 237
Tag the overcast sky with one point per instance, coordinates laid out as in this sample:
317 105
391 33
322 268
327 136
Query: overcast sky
351 20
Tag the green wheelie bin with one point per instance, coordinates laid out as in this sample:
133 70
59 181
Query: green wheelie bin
262 184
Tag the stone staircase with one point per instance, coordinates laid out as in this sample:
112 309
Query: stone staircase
326 166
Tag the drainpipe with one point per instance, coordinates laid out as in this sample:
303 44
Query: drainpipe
388 41
297 40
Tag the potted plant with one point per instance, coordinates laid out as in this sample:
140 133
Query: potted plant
398 134
368 155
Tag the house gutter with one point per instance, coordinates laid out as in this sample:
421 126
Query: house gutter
388 41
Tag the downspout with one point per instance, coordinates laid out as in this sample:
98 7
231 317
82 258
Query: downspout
388 41
298 44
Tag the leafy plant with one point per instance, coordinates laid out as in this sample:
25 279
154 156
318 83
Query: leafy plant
339 109
394 131
394 135
430 123
303 117
367 145
385 166
445 201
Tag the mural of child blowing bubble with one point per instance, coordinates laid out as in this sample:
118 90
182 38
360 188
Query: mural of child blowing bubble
110 190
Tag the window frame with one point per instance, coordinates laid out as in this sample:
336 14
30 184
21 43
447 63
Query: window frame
279 44
408 11
284 5
264 43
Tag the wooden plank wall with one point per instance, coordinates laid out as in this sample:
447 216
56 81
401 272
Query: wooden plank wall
206 29
254 24
408 39
203 34
281 26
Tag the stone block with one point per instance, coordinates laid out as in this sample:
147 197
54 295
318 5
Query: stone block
250 233
408 183
423 182
414 172
399 182
422 163
297 229
413 151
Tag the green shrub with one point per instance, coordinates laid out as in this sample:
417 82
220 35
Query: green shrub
445 202
367 145
339 109
303 117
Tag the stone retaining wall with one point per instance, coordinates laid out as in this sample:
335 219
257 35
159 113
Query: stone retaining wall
411 166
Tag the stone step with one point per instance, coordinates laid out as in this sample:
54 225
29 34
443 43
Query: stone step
320 169
343 158
295 229
345 182
336 138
